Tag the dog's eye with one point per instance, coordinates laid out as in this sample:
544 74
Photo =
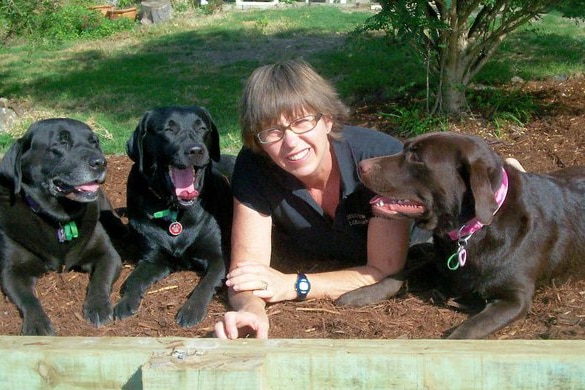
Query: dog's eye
413 154
59 148
95 141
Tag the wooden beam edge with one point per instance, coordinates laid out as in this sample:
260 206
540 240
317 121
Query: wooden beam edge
150 363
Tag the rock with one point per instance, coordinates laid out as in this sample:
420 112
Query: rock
8 116
156 11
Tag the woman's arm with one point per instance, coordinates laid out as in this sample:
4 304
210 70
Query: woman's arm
251 245
387 250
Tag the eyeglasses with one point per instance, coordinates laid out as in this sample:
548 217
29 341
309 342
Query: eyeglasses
298 126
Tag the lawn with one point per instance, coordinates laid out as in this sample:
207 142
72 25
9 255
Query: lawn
204 59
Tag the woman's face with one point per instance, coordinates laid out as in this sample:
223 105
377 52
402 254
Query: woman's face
302 155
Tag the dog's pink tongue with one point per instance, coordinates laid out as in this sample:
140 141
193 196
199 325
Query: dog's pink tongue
183 181
88 187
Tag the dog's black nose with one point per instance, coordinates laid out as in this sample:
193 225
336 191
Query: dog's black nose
196 151
98 162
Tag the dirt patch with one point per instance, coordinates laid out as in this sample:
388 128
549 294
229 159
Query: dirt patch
553 139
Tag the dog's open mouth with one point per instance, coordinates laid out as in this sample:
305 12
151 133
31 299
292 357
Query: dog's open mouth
86 192
396 208
184 181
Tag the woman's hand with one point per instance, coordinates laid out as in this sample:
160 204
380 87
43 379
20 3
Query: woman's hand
238 324
263 281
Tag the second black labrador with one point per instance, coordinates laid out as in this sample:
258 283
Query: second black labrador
50 209
178 205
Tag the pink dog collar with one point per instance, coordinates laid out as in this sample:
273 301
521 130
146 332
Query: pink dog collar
464 233
474 225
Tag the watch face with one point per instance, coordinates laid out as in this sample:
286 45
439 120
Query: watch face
303 286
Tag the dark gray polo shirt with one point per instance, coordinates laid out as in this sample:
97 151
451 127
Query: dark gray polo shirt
261 185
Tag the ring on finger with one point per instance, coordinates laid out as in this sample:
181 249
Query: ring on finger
265 285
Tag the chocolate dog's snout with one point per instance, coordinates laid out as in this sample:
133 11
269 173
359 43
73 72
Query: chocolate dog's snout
366 166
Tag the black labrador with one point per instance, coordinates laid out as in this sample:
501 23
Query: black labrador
498 231
179 206
50 208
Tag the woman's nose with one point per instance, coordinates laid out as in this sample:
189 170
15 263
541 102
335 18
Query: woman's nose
290 138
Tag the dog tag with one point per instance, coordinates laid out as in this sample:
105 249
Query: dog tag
175 228
61 235
462 256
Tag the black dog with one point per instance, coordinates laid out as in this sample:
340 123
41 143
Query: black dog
50 205
497 231
179 207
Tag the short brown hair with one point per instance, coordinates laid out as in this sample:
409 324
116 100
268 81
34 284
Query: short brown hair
286 88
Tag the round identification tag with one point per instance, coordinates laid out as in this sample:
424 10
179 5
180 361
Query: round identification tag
175 228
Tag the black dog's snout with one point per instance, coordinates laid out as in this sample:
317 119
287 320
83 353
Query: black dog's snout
98 162
197 152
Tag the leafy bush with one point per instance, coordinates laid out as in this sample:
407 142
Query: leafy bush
22 17
49 22
501 106
413 121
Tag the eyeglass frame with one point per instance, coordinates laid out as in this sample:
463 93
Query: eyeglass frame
283 129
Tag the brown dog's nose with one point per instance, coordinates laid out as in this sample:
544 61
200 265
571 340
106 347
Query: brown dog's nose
366 166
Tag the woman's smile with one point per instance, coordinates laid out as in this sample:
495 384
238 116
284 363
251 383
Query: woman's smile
298 156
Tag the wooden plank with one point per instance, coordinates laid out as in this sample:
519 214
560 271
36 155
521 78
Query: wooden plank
373 364
166 363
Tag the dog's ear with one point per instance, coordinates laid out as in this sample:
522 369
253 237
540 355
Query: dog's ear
485 174
214 150
134 144
10 166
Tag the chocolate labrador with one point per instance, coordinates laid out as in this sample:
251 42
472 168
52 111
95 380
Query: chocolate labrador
179 207
497 231
50 206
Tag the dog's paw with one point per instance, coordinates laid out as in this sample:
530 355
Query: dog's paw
39 326
368 295
98 314
190 315
126 307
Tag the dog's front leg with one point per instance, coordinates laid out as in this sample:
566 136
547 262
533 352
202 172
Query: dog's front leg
97 308
374 293
18 284
144 275
195 309
497 314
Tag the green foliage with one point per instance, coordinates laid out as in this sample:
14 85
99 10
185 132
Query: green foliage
413 121
504 106
23 17
109 83
5 141
455 39
126 3
571 8
50 22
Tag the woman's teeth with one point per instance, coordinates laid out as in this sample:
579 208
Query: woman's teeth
299 155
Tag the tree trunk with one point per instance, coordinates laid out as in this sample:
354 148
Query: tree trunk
454 61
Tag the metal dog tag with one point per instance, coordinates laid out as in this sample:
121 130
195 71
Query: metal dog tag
175 228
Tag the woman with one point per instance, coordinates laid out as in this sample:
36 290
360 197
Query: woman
298 172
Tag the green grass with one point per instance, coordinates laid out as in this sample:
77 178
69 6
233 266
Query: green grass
204 59
553 46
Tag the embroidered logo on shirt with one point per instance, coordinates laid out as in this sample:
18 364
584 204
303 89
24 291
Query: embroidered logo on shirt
357 219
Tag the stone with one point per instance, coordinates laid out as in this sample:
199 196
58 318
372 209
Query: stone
156 11
8 116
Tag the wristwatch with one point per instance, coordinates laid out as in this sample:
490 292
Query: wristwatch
302 286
